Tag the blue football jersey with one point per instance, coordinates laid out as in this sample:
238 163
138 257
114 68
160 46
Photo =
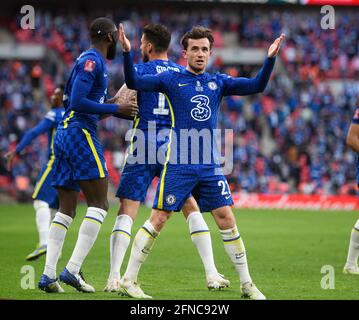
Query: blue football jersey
194 102
153 106
55 116
91 69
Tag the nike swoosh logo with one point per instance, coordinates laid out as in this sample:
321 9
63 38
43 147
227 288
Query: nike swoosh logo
227 197
183 84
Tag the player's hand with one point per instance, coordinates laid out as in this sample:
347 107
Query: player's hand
275 46
9 156
128 110
126 45
133 99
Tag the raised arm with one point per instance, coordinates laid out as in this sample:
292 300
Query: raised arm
132 79
44 126
246 86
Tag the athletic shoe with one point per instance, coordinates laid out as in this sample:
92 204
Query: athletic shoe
113 285
132 289
49 285
350 269
217 282
37 253
75 280
250 291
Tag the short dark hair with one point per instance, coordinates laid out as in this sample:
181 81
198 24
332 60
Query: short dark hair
158 35
197 32
99 29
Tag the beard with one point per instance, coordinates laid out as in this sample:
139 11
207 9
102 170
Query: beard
111 51
145 57
196 69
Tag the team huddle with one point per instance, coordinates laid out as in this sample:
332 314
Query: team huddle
157 91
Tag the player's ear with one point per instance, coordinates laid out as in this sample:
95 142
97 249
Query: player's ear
184 53
150 47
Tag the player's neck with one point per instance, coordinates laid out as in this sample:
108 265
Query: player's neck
102 49
196 72
158 56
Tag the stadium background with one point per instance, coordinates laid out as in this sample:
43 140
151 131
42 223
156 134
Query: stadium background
290 140
290 143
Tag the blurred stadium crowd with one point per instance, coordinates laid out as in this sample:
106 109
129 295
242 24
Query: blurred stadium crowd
289 140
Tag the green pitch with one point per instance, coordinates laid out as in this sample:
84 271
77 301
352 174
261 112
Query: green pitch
286 252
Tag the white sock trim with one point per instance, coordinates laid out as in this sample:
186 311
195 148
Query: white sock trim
230 230
96 214
197 224
126 217
192 214
148 227
123 224
62 219
39 204
230 235
99 211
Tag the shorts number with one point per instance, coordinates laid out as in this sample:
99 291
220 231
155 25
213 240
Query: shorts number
225 187
161 106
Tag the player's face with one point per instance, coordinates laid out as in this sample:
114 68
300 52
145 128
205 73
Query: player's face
145 47
111 50
197 54
56 98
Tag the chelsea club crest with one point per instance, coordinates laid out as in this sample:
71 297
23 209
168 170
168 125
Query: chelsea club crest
212 85
170 199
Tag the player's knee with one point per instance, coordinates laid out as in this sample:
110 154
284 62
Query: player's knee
159 218
40 204
106 206
224 220
102 204
190 206
69 212
128 207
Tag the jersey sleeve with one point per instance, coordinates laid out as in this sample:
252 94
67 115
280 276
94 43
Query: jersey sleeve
245 86
44 126
150 83
52 116
139 68
88 68
355 118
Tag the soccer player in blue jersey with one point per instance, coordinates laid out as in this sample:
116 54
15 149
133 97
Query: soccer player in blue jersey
194 98
79 160
45 196
351 265
136 177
